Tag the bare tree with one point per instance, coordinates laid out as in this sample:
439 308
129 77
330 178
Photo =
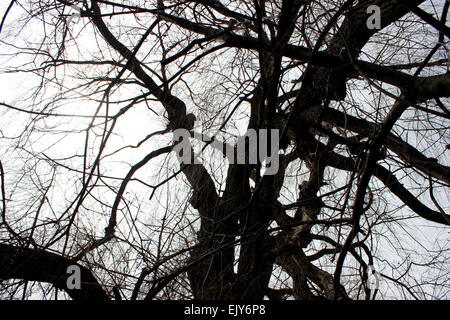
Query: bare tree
91 175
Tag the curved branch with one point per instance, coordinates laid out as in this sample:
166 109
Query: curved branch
390 181
109 230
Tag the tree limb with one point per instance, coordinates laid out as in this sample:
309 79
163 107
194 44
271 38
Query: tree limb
43 266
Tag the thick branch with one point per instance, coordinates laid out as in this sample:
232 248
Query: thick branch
405 151
407 198
43 266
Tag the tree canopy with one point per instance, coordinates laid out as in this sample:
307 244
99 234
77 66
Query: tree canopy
355 94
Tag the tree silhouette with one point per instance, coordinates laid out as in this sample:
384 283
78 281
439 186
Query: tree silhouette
90 177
